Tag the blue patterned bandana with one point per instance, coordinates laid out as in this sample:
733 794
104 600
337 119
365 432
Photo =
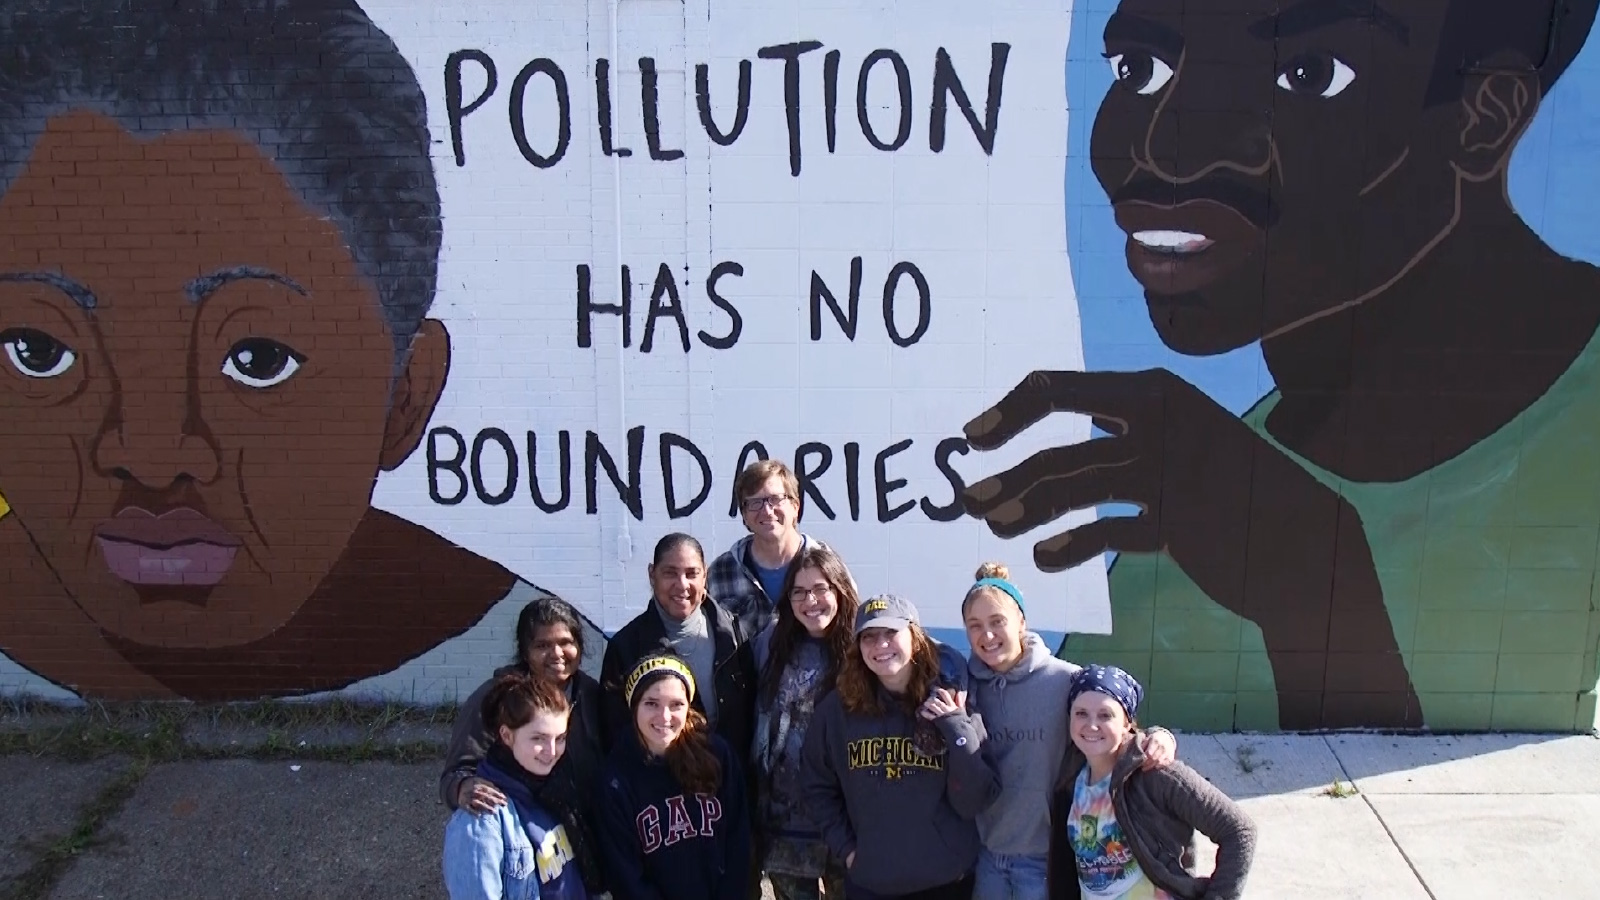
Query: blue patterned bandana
1108 680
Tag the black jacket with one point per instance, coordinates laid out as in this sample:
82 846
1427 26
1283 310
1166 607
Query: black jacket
568 792
735 675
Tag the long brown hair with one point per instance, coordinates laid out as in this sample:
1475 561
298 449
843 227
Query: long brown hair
689 757
787 633
858 687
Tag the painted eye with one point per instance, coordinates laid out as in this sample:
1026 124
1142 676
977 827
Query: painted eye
261 363
36 354
1139 71
1316 75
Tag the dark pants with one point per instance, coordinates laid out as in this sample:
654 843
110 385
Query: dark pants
955 890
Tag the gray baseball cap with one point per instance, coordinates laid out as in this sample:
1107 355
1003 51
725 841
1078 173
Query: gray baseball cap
886 611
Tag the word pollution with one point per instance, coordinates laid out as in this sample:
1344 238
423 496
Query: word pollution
945 87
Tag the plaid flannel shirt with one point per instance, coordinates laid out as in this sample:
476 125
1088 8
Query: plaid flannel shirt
734 585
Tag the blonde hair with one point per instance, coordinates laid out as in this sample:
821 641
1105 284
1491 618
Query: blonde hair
990 570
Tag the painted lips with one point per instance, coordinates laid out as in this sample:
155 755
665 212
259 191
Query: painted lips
1174 250
181 546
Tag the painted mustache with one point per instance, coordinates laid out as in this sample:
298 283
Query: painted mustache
1255 206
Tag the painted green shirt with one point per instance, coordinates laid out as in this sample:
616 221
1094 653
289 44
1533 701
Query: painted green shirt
1487 563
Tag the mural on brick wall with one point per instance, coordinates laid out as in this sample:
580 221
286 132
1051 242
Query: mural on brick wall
1256 339
1350 385
332 335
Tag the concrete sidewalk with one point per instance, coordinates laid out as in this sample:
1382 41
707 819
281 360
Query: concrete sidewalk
1450 818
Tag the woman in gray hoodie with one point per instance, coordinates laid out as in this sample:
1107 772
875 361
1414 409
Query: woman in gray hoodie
893 768
1020 689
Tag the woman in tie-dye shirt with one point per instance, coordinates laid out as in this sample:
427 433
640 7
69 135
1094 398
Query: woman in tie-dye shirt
1118 831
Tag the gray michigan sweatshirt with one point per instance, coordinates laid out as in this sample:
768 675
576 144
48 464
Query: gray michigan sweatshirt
906 816
1025 713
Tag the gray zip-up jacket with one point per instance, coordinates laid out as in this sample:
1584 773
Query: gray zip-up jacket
1159 811
907 817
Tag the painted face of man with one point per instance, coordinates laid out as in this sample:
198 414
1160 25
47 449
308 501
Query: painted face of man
1273 162
195 379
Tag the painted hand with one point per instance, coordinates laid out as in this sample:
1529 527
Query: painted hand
1193 467
479 796
1250 527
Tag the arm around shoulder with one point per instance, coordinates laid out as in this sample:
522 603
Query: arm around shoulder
469 742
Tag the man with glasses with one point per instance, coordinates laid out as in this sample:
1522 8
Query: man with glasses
747 577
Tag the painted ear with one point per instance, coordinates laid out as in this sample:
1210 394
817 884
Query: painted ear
1498 102
416 393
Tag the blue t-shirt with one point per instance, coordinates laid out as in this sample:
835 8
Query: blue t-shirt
771 581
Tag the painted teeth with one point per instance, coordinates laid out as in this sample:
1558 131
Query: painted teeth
1171 241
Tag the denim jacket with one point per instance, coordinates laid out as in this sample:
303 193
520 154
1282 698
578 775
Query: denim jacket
520 851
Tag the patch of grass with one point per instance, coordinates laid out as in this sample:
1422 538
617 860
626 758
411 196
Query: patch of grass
162 732
152 733
36 882
1340 789
1247 759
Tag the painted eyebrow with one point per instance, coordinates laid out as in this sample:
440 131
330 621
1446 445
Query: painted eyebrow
80 294
1314 14
204 286
1125 28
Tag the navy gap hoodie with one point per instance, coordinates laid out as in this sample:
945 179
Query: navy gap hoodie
661 843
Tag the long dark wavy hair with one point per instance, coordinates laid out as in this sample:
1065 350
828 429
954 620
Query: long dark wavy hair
787 632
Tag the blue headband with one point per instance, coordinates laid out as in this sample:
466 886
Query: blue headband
999 584
1108 680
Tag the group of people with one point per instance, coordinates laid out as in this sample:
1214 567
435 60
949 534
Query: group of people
760 718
